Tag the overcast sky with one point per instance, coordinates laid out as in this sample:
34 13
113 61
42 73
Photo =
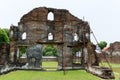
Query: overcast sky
103 15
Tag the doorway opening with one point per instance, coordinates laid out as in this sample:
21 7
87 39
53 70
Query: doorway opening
77 53
50 57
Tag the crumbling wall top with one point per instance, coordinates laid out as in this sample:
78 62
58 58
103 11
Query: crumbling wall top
41 13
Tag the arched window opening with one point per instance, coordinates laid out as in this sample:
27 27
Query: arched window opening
24 36
75 37
50 16
87 35
11 33
50 36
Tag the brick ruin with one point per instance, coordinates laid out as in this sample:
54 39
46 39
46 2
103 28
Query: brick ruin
4 53
65 31
112 52
37 27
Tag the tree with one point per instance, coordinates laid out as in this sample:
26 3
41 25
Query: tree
49 50
102 44
4 36
7 31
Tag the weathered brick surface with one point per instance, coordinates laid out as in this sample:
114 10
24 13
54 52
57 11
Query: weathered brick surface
37 26
4 53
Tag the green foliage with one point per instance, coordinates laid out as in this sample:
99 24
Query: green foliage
7 31
22 51
4 35
49 50
102 44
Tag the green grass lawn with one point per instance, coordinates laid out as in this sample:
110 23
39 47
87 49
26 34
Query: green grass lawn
111 64
55 75
38 75
49 75
45 65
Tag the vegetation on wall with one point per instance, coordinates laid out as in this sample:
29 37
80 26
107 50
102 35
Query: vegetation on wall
50 50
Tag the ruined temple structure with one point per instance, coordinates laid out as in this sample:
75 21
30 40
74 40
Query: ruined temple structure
69 34
113 52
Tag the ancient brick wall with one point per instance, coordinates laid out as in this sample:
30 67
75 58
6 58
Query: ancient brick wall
4 53
112 53
37 26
